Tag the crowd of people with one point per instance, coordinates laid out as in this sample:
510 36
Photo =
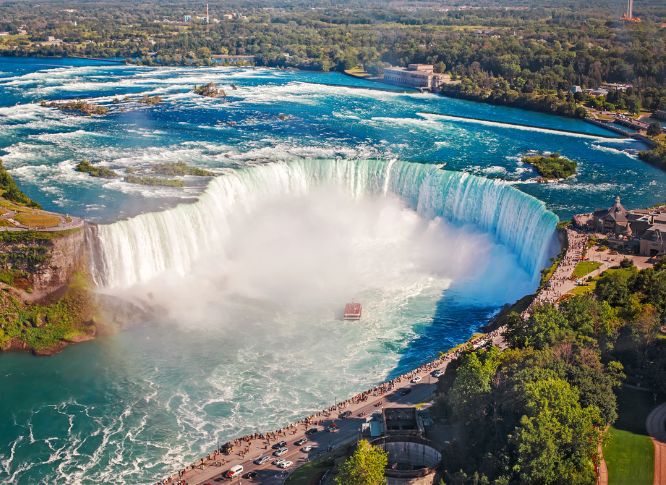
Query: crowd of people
553 290
242 446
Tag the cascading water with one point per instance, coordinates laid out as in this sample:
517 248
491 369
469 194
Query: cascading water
142 248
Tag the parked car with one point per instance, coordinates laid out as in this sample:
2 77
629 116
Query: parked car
437 373
311 431
280 451
415 379
250 475
306 449
345 414
279 445
285 464
300 442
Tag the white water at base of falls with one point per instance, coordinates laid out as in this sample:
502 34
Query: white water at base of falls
142 248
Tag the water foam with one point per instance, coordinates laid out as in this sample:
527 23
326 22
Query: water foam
142 248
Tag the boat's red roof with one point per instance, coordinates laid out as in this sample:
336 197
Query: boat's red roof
353 309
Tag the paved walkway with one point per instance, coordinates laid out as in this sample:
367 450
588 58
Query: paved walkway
656 427
561 282
602 478
399 392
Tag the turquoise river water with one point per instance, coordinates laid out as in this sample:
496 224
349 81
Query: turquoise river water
326 190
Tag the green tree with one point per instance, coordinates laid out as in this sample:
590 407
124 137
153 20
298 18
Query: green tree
365 467
473 382
654 129
557 438
545 326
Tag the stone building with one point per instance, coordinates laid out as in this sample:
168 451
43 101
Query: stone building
641 231
415 76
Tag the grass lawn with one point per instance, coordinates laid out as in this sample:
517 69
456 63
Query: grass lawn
311 472
628 450
582 290
37 219
584 268
629 457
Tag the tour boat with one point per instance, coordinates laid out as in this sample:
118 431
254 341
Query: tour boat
353 311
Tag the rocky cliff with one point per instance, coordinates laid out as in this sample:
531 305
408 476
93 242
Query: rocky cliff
41 263
45 300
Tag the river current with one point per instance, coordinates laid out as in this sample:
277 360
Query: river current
327 190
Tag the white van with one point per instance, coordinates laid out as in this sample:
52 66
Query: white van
234 471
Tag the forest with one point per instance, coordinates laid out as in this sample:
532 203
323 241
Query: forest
526 54
536 412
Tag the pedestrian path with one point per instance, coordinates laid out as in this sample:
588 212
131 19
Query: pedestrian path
656 428
561 281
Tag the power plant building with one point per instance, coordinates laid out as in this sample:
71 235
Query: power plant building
415 76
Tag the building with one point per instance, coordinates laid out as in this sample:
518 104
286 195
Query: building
660 114
187 18
617 86
412 460
597 92
575 90
402 421
640 231
415 76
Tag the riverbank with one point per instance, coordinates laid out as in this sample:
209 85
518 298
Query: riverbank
407 390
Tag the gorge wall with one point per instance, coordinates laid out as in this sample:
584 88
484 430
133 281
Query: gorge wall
41 263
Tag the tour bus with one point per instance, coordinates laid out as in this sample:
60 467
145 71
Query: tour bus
234 471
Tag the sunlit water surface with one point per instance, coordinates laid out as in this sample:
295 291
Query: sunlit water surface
250 338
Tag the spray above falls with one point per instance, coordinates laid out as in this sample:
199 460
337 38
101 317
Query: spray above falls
142 248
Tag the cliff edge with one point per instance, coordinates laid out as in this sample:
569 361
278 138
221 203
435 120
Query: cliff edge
46 300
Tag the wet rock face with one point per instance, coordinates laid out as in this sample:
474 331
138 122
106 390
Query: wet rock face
67 253
41 263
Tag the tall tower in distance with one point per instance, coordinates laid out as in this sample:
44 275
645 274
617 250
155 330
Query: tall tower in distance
629 14
208 16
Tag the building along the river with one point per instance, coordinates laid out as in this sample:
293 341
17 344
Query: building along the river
415 76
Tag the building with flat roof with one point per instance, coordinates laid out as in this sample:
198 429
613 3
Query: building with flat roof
414 76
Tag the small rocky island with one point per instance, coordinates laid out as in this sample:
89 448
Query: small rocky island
153 176
210 90
95 170
78 106
551 166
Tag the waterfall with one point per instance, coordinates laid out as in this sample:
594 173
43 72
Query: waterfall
143 247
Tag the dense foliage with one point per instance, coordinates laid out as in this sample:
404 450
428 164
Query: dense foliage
536 412
657 154
10 191
43 327
552 166
95 171
364 467
520 53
